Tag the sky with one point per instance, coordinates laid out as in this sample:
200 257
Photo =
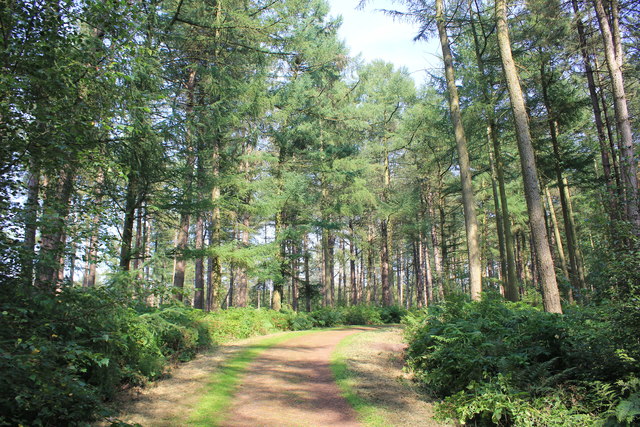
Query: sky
378 36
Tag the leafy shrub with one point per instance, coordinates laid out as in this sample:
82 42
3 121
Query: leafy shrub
495 402
511 364
240 323
362 315
461 342
300 321
63 355
327 317
392 314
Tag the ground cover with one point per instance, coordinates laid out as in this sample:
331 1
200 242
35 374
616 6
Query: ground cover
368 368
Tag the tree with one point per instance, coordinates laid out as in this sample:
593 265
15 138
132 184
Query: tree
528 165
471 222
613 55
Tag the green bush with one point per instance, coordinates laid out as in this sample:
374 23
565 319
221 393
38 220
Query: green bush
392 314
239 323
500 363
64 355
327 317
300 321
362 315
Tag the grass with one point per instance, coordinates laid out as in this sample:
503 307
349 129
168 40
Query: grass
368 413
223 383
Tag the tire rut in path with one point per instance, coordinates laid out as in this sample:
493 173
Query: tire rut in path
291 384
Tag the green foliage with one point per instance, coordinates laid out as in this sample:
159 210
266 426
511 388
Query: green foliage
498 363
392 314
62 356
239 323
362 315
327 317
356 315
497 403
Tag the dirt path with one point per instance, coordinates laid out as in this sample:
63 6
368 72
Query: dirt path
292 385
375 361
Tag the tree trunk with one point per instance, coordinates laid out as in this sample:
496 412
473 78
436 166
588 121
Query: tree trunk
468 200
30 223
572 225
147 243
609 128
89 279
307 277
556 232
499 222
295 280
370 292
278 283
131 202
179 263
628 163
55 210
399 287
137 251
242 290
569 224
437 256
214 275
509 270
551 294
384 263
182 234
597 113
427 274
198 297
355 294
417 266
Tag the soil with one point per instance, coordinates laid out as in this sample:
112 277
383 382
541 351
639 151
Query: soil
292 385
168 402
375 360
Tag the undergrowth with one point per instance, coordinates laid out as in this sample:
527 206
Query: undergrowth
501 363
64 355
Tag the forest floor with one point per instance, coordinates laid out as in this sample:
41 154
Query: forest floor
289 382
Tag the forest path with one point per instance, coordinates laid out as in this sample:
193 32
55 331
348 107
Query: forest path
288 384
291 384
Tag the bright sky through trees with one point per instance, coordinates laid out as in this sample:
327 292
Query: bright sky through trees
378 36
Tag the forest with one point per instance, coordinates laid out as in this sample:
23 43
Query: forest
175 174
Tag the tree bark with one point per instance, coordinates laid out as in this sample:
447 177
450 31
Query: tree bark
384 263
278 283
295 280
468 199
214 274
182 234
556 232
417 266
355 294
569 224
509 271
242 288
551 295
198 296
55 210
30 223
307 276
131 201
135 255
628 163
597 113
